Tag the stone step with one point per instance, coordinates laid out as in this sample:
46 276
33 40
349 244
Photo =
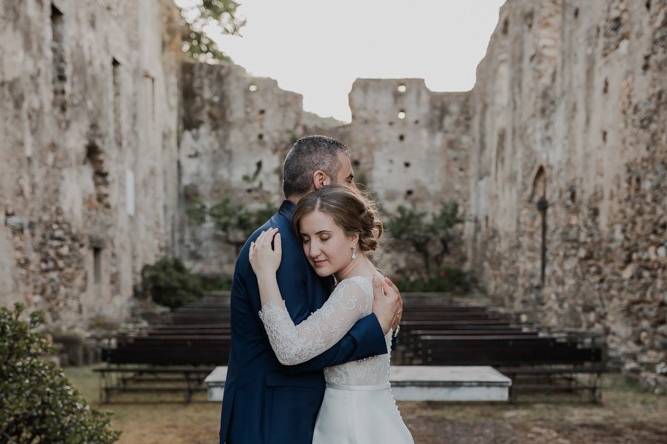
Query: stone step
420 383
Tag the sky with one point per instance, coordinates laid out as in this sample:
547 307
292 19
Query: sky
319 47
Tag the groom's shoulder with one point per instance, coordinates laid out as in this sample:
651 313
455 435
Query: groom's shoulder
275 221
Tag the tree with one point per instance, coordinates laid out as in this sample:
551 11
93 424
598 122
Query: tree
430 235
442 226
37 402
410 226
205 14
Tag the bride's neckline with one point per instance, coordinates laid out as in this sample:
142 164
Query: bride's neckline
357 276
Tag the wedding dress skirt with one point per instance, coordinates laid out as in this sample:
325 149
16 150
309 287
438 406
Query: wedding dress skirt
358 406
360 414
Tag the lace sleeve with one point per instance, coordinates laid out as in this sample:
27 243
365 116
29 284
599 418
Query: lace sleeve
294 344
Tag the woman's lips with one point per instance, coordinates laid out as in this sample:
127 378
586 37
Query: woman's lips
318 264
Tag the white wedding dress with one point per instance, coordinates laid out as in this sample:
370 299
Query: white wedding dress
358 406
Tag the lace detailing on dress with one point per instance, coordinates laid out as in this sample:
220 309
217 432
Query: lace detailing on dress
294 344
369 371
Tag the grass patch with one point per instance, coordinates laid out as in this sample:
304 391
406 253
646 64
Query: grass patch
625 409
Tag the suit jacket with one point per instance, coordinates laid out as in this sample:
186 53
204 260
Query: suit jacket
264 401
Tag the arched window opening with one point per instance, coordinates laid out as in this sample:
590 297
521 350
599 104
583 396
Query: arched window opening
539 197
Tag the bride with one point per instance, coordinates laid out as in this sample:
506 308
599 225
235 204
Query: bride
338 228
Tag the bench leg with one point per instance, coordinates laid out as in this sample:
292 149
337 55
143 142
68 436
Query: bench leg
104 384
597 390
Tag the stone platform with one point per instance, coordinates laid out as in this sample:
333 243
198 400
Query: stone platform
420 383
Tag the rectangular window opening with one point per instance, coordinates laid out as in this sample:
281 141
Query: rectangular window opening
117 92
149 83
97 265
59 78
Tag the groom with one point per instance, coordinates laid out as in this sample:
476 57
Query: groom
264 401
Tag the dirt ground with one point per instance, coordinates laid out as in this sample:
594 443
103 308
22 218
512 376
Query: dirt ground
627 415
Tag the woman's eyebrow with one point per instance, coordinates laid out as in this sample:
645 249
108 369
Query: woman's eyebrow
323 232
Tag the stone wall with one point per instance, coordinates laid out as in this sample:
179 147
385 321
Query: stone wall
236 131
88 118
568 219
111 146
408 145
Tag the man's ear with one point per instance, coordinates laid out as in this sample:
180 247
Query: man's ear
320 179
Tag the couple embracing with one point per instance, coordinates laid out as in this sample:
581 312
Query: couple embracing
312 319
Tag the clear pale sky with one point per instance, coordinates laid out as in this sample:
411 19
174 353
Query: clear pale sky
318 47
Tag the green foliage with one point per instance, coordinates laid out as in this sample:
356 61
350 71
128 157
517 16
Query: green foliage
215 282
235 222
196 212
37 402
206 14
195 209
429 235
443 223
169 282
448 279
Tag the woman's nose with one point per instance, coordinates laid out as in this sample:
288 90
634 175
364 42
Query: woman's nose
314 250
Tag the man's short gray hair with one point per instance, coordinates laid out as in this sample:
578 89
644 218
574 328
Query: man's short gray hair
307 155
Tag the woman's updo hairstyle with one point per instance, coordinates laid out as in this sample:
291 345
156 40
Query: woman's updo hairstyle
350 210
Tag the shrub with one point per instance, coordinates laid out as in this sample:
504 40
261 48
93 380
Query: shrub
169 282
431 236
448 280
37 402
216 282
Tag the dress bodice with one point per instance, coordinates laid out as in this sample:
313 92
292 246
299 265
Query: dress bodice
370 371
351 300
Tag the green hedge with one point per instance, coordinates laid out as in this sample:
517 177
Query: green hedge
37 402
170 283
449 280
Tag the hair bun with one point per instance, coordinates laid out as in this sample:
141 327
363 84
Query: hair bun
351 210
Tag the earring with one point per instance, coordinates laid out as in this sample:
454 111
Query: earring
354 253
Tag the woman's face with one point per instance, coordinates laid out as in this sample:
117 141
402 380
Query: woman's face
326 245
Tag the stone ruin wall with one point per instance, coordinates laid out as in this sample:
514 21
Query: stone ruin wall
569 108
236 132
410 147
88 124
237 129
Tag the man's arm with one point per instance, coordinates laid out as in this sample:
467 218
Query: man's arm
366 337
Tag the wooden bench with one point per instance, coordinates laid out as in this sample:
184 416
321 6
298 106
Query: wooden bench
147 379
534 357
172 356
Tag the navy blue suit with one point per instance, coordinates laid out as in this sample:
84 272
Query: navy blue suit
265 401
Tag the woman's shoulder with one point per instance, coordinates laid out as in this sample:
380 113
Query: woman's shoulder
361 281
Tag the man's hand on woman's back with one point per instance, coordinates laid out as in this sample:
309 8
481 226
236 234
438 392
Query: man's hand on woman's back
387 303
